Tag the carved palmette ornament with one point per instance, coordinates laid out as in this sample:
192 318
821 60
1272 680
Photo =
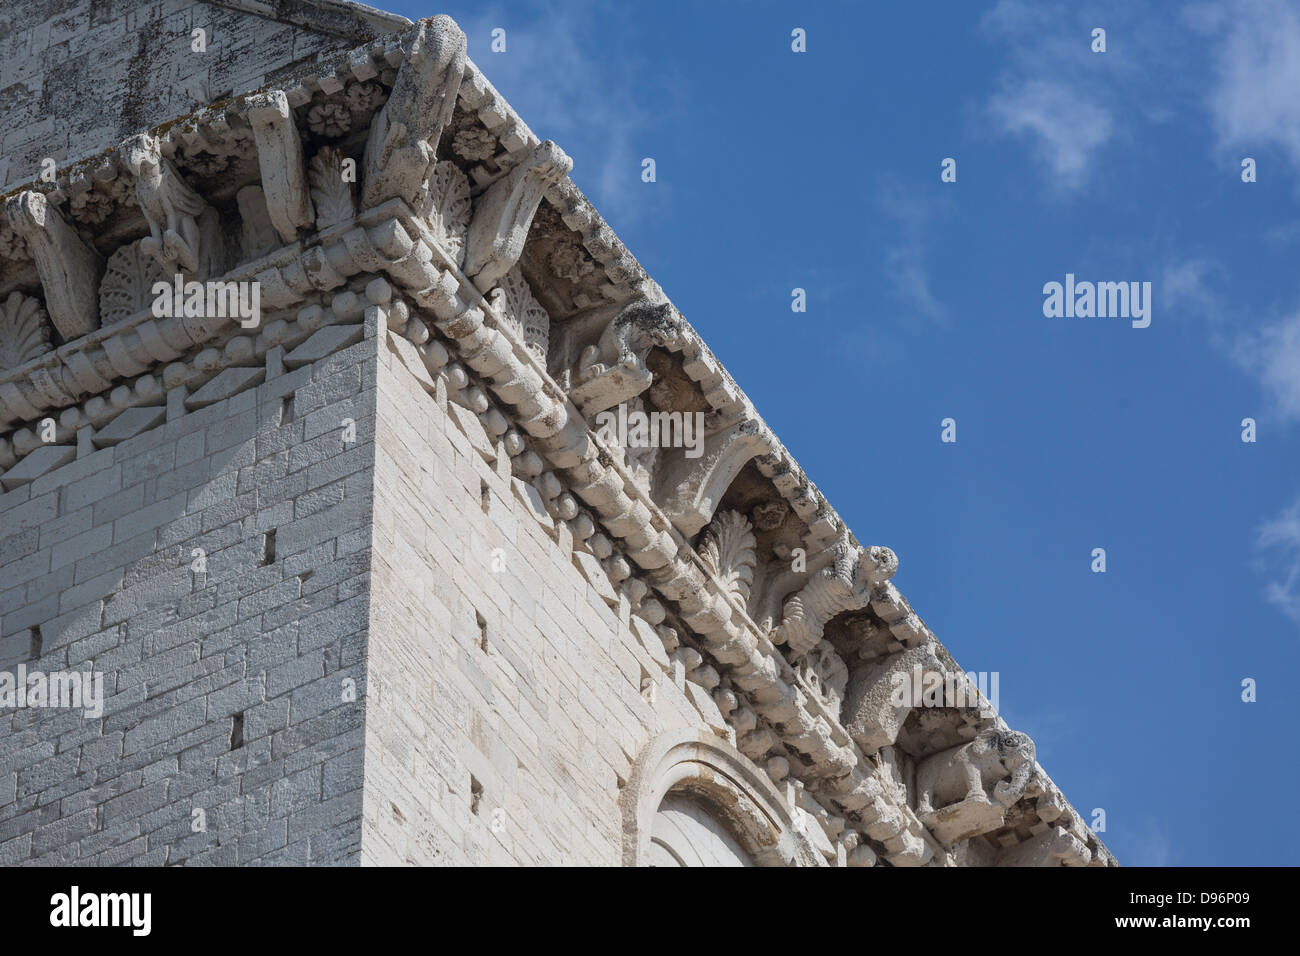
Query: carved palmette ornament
330 193
727 549
513 301
128 278
24 330
446 207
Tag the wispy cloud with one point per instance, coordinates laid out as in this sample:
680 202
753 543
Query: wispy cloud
1049 94
1253 103
1279 544
1273 355
592 104
914 215
1064 124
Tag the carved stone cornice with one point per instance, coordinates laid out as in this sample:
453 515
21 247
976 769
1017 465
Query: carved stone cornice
457 311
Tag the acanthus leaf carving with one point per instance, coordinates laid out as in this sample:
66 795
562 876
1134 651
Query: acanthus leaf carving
403 138
69 269
332 194
24 333
128 280
514 302
727 548
445 205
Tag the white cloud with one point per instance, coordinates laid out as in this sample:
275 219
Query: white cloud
1273 355
1253 104
1279 540
1051 94
1066 126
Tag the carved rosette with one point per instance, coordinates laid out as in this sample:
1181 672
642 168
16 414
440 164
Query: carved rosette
513 301
727 549
24 330
128 279
445 205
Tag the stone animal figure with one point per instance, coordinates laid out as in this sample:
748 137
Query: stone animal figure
966 771
168 203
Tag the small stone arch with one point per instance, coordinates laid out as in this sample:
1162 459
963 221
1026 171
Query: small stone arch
724 781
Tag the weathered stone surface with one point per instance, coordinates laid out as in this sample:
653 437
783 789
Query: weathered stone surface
366 581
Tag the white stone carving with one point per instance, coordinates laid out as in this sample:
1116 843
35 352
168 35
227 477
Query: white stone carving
445 205
727 549
845 585
279 156
128 278
966 790
503 214
176 237
825 674
614 370
513 301
24 334
332 195
69 269
403 138
474 143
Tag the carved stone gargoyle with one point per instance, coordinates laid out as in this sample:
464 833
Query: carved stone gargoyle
614 369
184 231
845 585
953 795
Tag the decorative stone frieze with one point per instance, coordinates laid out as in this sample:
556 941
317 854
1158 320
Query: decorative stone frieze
437 261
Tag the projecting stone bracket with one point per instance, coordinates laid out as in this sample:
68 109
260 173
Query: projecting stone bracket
845 585
69 269
614 370
279 156
184 231
503 214
696 485
873 713
403 139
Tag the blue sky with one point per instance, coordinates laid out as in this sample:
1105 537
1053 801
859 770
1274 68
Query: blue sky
821 170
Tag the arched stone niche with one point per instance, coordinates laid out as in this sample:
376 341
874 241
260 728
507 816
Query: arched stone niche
709 792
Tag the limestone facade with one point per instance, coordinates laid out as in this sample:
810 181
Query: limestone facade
363 578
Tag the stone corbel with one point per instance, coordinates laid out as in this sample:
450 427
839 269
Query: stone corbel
845 585
403 138
504 212
279 156
1056 847
694 486
614 370
966 790
69 269
873 714
184 231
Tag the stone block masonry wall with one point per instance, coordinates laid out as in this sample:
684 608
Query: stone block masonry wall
509 684
95 573
79 75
